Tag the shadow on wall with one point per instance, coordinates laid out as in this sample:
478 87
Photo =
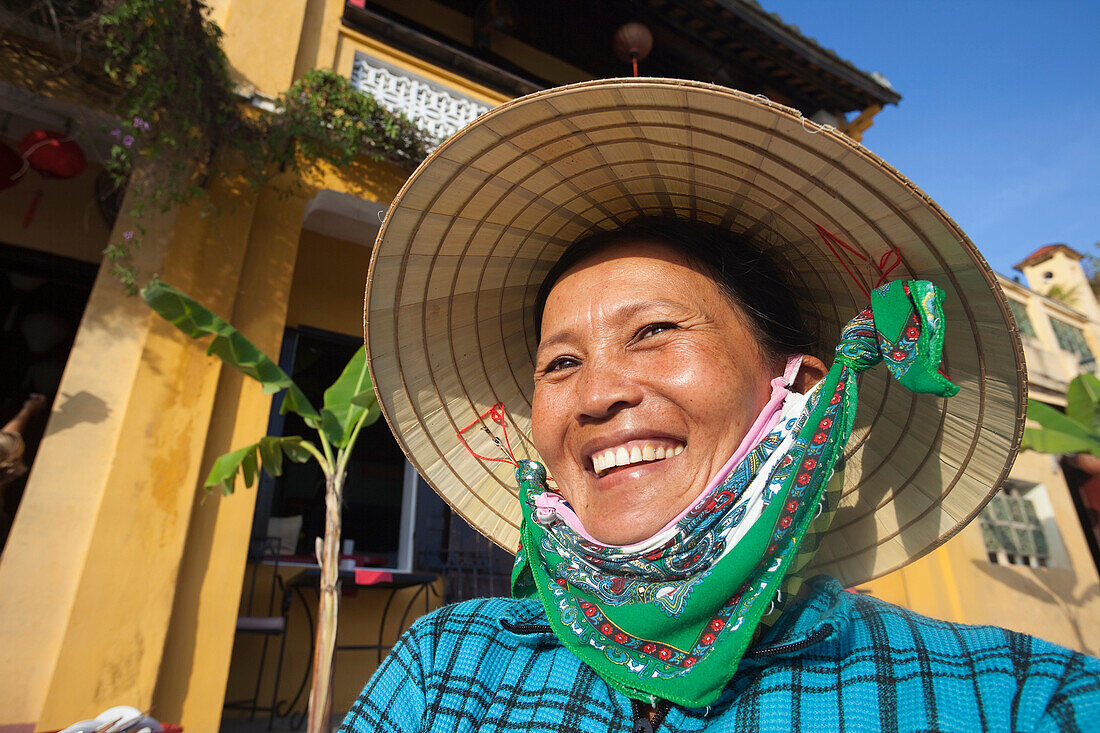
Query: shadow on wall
1048 586
75 409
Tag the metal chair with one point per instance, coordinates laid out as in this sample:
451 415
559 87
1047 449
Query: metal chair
267 620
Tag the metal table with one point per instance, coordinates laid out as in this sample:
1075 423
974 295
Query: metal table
369 578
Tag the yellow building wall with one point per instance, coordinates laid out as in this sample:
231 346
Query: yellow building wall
113 583
191 679
324 296
261 42
89 571
957 582
1065 272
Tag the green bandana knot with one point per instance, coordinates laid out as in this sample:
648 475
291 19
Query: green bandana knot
902 326
671 617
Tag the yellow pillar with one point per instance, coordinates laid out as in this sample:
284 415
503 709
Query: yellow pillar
262 42
192 681
89 572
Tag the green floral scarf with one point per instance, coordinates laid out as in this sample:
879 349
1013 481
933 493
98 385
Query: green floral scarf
672 620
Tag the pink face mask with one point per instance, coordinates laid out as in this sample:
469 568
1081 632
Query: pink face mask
549 503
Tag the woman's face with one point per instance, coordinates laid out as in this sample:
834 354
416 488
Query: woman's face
646 379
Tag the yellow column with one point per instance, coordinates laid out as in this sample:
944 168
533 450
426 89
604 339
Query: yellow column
262 41
192 681
89 573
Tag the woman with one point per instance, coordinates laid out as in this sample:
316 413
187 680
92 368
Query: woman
598 293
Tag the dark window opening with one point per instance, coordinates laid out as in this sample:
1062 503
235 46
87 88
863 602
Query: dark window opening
371 512
42 299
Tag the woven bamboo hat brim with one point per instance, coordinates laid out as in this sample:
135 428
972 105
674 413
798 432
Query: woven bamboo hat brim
468 240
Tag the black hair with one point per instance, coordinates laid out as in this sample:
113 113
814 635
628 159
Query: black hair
748 277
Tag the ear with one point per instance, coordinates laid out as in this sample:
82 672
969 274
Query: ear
812 371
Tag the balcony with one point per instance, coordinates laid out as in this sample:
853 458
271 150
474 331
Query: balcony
438 111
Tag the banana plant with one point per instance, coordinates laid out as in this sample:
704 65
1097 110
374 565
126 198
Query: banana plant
1077 430
349 406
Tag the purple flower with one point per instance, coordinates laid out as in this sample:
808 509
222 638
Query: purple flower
128 140
141 124
116 132
128 235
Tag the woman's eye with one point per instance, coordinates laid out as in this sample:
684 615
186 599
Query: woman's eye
653 329
561 362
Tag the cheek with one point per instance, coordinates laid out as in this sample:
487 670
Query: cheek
720 396
546 430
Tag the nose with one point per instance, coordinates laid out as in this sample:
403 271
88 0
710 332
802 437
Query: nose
604 389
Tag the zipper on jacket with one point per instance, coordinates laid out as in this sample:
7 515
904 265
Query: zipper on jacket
794 646
524 629
642 723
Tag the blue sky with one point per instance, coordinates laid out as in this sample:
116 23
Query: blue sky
1000 113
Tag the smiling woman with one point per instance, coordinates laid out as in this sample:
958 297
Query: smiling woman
633 334
585 322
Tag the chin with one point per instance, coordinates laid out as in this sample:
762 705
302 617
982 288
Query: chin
627 533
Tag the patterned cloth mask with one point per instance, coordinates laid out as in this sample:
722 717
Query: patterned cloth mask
671 617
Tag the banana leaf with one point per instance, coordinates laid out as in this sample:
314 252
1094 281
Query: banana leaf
229 345
1059 432
349 398
243 461
1083 402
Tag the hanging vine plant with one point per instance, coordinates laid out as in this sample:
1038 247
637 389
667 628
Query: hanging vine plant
177 100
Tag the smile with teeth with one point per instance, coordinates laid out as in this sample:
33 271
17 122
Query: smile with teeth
637 452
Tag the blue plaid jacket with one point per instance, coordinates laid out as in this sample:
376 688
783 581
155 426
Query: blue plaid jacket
835 661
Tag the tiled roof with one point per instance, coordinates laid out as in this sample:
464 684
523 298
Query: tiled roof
874 79
1046 252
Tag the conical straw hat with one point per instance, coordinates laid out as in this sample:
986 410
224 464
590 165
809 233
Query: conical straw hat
466 243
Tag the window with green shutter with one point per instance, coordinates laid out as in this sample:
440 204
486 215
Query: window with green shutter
1019 312
1012 530
1072 339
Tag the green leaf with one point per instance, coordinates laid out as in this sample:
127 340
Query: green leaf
349 397
331 427
228 344
1083 401
296 451
243 460
248 468
295 401
1051 441
271 456
368 400
1052 419
224 471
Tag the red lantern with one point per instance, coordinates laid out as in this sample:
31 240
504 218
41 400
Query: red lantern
53 154
11 163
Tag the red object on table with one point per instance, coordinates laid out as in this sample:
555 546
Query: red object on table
364 576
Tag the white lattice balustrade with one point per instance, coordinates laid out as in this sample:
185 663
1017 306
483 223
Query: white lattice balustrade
432 108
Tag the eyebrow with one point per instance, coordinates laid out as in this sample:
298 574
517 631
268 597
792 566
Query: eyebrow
622 313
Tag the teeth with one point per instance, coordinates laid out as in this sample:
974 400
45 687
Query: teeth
620 456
